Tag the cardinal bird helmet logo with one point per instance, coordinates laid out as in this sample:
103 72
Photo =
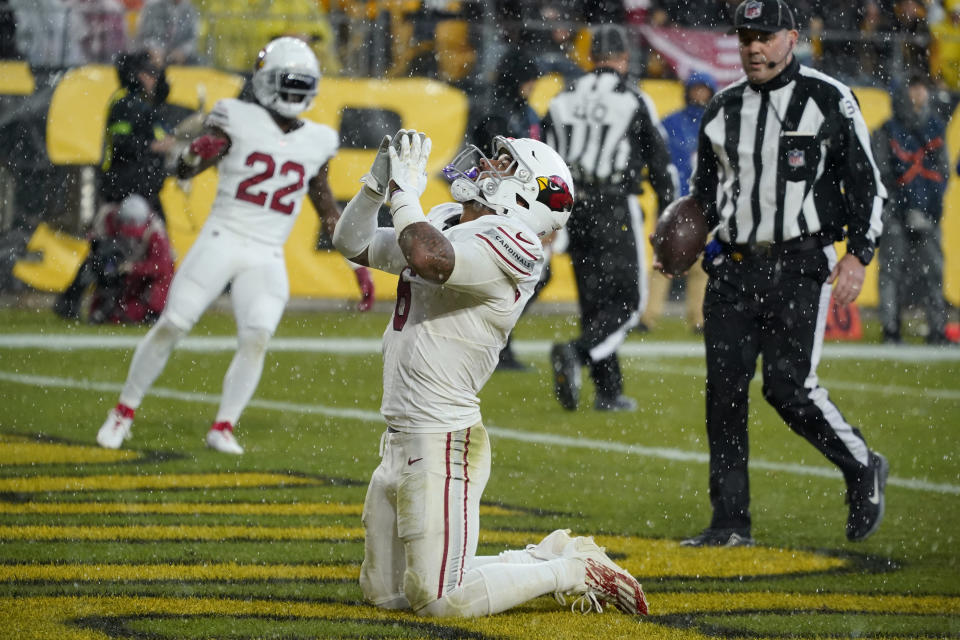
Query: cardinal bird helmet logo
554 193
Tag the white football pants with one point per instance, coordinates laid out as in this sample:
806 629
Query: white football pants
421 517
259 292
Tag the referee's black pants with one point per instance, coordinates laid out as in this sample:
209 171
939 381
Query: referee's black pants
604 251
772 305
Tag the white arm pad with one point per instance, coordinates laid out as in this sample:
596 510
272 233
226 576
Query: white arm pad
406 210
357 224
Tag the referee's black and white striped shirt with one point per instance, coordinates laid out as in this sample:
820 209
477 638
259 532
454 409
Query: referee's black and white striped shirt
789 159
608 132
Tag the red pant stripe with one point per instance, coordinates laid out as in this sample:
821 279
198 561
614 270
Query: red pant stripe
466 486
446 521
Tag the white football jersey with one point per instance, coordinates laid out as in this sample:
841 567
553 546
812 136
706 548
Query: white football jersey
265 174
444 341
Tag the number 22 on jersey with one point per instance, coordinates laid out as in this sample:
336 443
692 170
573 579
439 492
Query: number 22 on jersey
283 200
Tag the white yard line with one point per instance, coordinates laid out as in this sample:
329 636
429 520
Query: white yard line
59 342
362 346
664 453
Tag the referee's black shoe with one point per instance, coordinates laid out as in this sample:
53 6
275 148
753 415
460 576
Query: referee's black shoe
566 375
617 403
866 499
720 538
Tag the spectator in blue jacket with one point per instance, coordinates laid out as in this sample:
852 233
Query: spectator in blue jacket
911 153
683 128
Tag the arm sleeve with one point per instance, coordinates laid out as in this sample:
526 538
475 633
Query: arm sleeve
942 163
703 184
219 116
651 152
357 224
864 192
384 253
880 143
131 132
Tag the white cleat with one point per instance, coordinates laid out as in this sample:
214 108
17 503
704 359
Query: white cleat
114 431
605 581
551 547
222 440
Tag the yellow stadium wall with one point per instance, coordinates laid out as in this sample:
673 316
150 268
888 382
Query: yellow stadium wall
75 136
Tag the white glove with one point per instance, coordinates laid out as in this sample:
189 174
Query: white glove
408 166
378 177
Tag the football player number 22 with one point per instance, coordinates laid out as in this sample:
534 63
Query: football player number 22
283 199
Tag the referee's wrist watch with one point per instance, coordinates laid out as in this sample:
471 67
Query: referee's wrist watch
863 254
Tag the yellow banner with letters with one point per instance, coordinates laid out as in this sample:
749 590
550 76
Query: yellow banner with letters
75 136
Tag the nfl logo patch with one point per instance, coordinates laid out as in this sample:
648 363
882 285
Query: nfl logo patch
795 158
752 10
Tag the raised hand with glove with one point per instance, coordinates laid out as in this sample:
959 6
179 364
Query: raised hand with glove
408 177
207 147
378 177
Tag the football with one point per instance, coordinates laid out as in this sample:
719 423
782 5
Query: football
680 236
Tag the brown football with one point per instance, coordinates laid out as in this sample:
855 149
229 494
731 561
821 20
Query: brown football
680 235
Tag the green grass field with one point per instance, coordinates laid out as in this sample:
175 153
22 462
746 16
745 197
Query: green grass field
166 539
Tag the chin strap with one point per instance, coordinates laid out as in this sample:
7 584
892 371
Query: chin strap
464 190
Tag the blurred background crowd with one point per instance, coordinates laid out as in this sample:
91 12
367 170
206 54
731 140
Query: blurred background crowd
463 41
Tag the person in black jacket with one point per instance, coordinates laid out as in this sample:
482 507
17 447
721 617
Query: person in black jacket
136 139
784 170
911 152
607 130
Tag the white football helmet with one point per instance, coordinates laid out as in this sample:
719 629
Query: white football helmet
536 187
285 77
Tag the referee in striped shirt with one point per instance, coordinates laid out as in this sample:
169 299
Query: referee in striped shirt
784 170
608 131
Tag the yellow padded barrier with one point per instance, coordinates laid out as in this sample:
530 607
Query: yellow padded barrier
187 84
62 256
81 100
16 79
78 114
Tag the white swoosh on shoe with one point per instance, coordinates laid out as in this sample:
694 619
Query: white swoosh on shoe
875 496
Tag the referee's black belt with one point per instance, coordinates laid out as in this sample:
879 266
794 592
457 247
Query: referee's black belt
774 249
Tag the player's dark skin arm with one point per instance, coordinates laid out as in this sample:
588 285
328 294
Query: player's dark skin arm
428 252
426 249
321 196
185 171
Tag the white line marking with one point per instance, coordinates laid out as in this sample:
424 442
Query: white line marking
827 383
665 453
363 346
898 353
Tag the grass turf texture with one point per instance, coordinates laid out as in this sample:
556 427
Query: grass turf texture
167 539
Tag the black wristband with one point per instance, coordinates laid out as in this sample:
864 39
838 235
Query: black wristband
863 254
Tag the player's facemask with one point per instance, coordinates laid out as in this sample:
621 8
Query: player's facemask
473 174
526 179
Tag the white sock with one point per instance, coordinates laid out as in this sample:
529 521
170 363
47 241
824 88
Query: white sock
149 359
496 587
244 374
511 556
